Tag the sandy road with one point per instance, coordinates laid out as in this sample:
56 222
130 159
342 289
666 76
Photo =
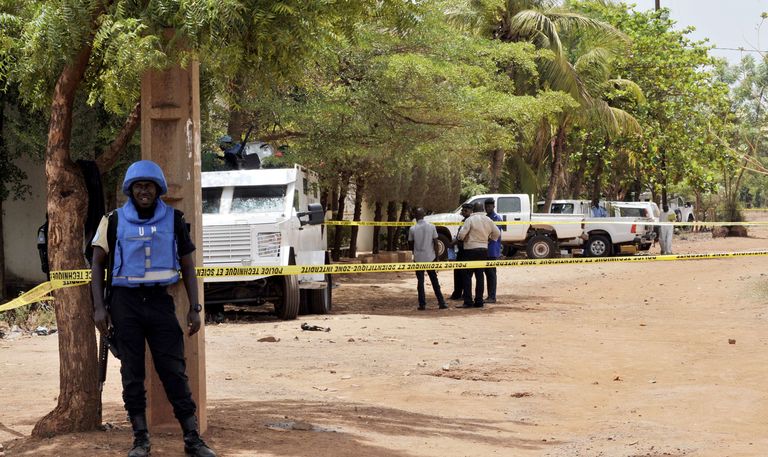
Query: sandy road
586 360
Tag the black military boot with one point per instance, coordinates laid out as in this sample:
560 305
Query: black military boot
194 446
141 445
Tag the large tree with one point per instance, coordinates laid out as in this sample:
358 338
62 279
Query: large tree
100 48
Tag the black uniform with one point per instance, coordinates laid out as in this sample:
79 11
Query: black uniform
148 313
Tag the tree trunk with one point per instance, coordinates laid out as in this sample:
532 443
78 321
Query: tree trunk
399 232
236 124
391 216
557 146
497 164
577 183
359 190
2 254
377 229
78 407
2 239
598 173
664 199
337 234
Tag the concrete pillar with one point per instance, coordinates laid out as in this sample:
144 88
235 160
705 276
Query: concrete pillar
170 136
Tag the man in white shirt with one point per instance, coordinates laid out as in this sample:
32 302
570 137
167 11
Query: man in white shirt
666 231
475 233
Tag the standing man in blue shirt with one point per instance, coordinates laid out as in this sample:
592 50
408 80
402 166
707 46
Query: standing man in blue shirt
494 252
596 210
423 240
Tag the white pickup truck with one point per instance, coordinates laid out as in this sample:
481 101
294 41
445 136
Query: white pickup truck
605 236
263 218
534 232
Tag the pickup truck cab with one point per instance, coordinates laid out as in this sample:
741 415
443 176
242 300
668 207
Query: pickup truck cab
536 233
263 218
605 236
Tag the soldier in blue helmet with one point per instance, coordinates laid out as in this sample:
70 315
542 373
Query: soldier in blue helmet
145 243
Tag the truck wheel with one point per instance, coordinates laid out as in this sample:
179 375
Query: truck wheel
287 307
599 246
320 300
442 247
540 247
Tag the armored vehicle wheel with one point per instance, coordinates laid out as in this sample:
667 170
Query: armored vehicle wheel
287 307
320 300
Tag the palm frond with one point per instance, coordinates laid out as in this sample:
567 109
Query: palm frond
537 28
594 66
561 75
634 91
614 121
567 22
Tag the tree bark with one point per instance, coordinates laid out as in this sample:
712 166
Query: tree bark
391 216
107 159
337 234
236 124
359 189
2 254
377 229
497 164
664 199
2 238
598 172
557 146
78 407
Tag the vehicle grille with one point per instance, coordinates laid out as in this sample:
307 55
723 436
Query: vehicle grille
225 244
268 244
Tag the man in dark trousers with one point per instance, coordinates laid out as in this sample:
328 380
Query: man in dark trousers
458 275
423 240
475 233
494 252
146 245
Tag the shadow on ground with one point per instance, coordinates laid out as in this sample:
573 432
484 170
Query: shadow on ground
291 428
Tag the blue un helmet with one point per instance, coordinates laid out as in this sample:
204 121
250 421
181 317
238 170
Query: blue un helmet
144 170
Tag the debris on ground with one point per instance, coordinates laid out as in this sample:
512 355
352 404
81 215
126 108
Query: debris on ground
314 328
268 339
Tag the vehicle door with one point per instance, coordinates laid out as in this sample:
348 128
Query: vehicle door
510 209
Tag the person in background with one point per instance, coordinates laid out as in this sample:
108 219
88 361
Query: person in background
494 252
475 233
458 275
596 210
423 240
151 245
666 231
232 151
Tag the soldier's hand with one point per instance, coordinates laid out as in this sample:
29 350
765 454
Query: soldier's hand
193 322
101 319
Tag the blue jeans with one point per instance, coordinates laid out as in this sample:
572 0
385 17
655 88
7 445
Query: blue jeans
435 287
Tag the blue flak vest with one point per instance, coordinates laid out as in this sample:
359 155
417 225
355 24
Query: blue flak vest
145 249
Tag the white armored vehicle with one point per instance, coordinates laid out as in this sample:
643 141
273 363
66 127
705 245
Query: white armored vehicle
261 218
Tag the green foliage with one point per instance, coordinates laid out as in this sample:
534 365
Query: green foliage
685 108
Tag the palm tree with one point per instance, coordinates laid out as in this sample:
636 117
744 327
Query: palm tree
578 68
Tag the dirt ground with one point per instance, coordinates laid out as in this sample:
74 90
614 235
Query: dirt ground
628 359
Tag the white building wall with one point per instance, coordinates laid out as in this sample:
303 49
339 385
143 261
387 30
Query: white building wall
21 219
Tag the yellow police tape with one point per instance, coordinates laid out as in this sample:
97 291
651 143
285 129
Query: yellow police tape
61 279
552 222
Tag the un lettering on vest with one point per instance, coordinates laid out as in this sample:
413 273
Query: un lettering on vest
146 253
